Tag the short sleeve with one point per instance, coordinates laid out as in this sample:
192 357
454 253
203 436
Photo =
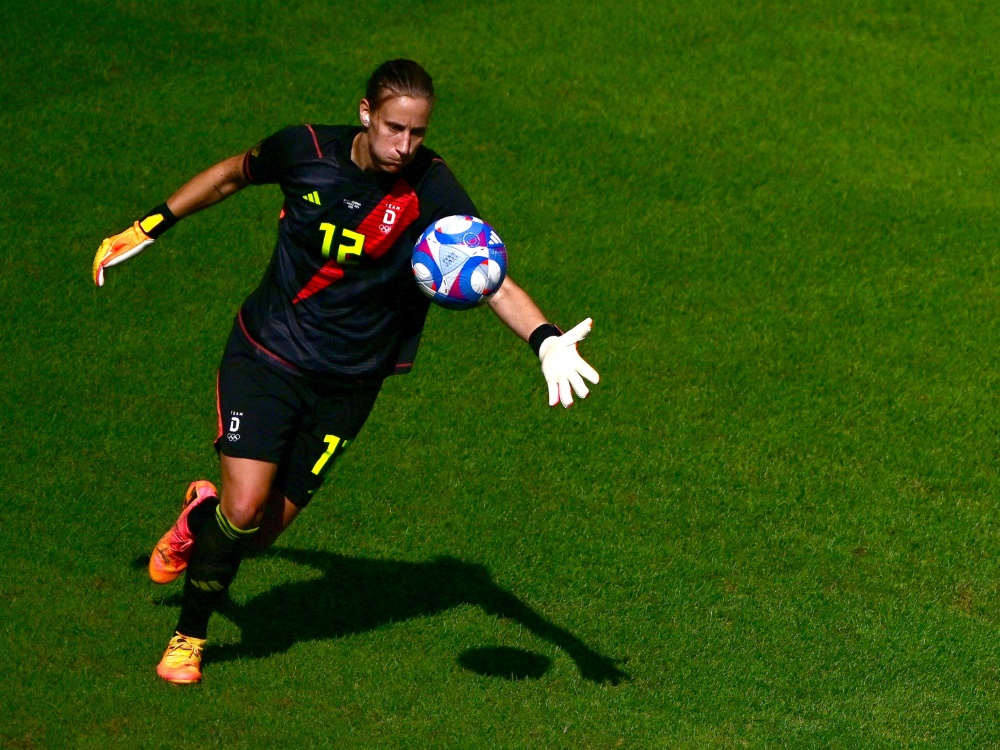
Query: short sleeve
270 160
442 195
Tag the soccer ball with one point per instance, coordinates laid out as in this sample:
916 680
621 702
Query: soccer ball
459 261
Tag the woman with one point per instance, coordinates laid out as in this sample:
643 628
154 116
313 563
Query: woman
337 312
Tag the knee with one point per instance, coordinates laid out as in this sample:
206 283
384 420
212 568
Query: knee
246 485
244 509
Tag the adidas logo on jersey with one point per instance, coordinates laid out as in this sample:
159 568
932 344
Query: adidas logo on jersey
312 197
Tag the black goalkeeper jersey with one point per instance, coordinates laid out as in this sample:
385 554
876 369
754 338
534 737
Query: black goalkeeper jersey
338 298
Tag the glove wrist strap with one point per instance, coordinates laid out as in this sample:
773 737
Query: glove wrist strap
157 221
544 331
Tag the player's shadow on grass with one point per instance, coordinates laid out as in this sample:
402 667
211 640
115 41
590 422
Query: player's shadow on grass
356 595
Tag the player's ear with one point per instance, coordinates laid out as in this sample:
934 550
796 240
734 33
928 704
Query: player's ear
364 110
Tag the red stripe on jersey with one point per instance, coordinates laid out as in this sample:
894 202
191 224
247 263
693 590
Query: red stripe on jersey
328 274
261 348
394 213
319 151
246 168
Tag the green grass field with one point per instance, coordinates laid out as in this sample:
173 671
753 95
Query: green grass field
776 513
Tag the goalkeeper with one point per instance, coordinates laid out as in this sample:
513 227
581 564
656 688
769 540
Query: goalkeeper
336 312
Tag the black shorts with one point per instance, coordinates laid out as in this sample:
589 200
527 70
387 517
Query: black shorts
268 412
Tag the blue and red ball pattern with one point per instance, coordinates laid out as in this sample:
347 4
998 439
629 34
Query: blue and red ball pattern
459 261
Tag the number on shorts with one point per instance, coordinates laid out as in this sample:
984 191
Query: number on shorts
334 445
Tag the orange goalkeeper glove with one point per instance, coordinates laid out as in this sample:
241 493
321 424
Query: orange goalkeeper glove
118 248
132 241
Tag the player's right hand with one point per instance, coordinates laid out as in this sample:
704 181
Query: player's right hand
118 248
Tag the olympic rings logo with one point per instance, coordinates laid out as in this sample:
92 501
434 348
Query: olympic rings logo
232 437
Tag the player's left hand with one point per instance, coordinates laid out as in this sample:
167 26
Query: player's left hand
563 367
118 248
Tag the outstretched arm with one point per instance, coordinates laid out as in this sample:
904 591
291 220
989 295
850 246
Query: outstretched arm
563 367
206 189
516 309
593 666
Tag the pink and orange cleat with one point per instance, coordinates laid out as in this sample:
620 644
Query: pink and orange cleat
181 662
171 554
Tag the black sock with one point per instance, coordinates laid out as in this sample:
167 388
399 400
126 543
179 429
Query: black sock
215 560
202 513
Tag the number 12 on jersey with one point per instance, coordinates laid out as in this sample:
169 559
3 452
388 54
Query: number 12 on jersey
349 250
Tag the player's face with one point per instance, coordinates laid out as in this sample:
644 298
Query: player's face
395 130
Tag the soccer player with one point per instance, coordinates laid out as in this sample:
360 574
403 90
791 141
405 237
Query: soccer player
336 313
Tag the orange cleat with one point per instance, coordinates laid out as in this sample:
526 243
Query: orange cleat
181 662
171 554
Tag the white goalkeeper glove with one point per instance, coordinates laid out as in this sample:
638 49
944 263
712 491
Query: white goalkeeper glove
563 367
